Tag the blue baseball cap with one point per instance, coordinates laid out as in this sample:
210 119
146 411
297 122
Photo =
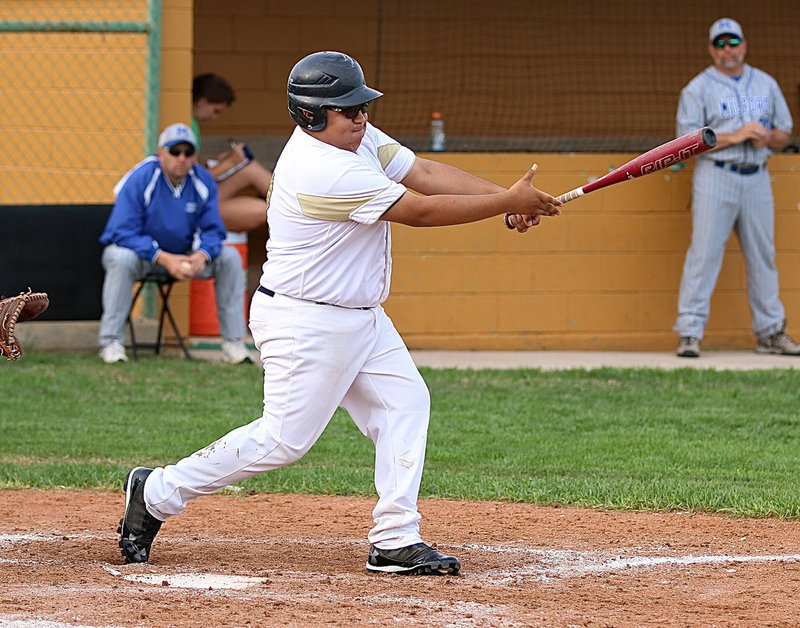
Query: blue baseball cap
177 133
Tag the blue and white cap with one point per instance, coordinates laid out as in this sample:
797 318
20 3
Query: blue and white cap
176 134
725 26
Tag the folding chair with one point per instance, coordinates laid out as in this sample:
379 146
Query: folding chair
164 283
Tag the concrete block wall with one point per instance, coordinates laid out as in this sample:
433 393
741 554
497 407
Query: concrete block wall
177 70
604 275
74 103
255 43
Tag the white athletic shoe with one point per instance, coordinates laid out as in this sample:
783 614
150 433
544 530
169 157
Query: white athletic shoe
780 343
235 352
113 352
689 347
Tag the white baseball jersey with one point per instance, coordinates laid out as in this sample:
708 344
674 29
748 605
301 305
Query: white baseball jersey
725 104
327 242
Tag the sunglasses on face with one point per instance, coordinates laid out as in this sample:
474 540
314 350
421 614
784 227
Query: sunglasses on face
351 112
176 152
732 42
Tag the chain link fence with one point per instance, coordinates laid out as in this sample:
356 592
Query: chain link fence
79 96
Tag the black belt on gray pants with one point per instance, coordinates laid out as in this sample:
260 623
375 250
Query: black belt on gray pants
271 293
739 168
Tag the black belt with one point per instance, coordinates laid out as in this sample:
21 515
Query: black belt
738 168
271 293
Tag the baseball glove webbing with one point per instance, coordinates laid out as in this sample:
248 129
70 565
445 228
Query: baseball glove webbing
13 310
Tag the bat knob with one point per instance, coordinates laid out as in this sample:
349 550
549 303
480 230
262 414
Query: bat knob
709 137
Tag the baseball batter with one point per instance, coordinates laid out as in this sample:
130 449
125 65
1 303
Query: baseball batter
324 339
731 189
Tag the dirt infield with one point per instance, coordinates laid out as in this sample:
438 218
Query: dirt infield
290 560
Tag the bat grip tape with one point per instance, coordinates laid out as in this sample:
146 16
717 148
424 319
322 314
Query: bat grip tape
571 195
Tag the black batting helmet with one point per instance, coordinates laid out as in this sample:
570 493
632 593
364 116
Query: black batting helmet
325 79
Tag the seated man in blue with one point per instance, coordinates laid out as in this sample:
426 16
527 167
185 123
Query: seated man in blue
166 220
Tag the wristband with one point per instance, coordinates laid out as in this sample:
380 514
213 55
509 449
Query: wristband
507 222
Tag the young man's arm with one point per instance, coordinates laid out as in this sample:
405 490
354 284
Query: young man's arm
433 177
455 197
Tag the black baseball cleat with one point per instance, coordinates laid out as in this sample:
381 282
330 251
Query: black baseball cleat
137 528
414 560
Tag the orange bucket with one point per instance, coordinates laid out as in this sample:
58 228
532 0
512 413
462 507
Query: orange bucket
202 300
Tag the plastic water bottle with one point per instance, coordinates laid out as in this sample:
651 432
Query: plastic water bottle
437 132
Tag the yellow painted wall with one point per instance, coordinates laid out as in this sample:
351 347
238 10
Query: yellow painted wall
177 70
604 275
71 104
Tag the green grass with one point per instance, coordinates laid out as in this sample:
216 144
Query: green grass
613 438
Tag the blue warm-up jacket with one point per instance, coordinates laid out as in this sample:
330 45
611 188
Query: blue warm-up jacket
151 215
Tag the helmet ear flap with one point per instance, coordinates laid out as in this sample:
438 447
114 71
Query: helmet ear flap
312 119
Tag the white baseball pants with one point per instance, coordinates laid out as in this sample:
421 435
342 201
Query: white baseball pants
316 358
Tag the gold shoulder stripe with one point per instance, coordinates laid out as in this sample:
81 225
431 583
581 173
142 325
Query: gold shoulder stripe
269 191
386 153
331 209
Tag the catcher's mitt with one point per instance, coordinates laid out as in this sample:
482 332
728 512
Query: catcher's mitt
15 310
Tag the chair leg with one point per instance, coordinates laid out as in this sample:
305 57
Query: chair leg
166 290
134 344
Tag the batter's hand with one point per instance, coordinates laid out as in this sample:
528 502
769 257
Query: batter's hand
526 200
521 222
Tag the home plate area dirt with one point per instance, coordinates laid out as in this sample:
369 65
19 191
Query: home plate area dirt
298 560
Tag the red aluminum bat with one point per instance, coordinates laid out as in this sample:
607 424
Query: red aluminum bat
669 153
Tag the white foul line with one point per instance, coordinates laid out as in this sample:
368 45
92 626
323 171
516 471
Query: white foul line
554 564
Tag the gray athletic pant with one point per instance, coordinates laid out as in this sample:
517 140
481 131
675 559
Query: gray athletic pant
123 268
723 201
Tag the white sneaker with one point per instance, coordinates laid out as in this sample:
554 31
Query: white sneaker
689 347
235 352
780 343
113 352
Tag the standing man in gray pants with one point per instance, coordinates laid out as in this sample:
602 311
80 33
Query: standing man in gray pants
731 189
